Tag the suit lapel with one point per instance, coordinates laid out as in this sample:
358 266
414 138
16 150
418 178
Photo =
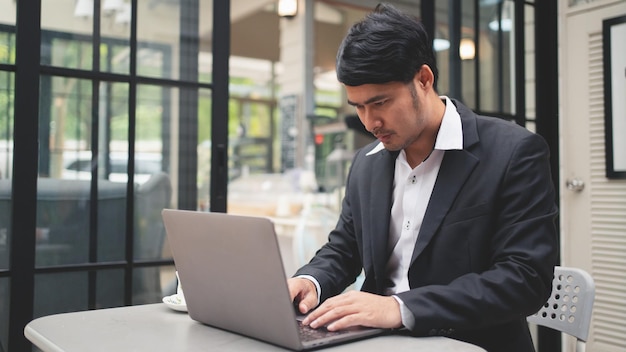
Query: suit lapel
381 187
456 167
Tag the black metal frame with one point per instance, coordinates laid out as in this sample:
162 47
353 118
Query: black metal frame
547 120
609 131
24 181
219 138
26 134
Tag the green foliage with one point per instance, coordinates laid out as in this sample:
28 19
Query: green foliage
204 118
6 106
71 54
7 48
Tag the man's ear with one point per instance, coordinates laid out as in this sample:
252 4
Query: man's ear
424 77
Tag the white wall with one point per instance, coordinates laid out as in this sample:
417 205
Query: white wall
593 221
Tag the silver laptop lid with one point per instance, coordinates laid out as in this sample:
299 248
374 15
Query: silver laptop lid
231 269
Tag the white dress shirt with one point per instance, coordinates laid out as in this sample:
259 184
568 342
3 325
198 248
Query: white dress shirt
412 189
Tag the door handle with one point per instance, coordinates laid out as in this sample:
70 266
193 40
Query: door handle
575 184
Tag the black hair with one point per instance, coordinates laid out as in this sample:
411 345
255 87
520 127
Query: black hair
386 46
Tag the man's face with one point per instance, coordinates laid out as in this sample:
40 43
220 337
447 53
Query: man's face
392 112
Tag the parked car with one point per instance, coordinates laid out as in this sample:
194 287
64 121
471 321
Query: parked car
79 166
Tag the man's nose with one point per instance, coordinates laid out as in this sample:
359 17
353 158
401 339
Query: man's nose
370 120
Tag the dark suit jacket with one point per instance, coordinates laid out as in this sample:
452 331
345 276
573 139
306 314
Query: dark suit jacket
486 251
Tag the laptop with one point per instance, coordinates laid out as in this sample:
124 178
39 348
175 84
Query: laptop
233 277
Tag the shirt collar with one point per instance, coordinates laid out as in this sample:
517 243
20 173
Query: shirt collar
450 135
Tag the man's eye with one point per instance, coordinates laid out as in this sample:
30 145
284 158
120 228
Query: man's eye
380 103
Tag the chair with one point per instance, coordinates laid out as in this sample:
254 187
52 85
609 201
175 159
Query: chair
570 305
63 207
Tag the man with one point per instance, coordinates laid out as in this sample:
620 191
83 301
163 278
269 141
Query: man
450 215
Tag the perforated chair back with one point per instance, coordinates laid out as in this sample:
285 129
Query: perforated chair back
570 305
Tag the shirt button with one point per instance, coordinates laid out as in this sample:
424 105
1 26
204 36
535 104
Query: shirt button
413 180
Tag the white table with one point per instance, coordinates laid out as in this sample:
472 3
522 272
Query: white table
154 328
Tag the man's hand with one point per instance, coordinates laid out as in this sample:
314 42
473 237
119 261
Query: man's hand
302 292
356 308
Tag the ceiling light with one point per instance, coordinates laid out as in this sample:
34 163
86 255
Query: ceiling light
506 18
83 8
441 44
123 14
506 24
287 8
112 6
467 50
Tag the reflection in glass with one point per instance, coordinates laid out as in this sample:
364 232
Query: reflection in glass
109 288
91 139
8 13
251 136
7 44
204 148
66 128
150 199
497 59
67 29
60 293
155 109
64 222
114 56
115 36
7 55
147 285
6 163
5 222
441 46
113 131
154 58
161 52
6 123
67 37
67 52
467 53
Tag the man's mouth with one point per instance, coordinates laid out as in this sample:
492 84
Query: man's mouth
383 136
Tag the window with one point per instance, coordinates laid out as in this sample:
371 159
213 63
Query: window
119 99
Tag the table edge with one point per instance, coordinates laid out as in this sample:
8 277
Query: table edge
39 340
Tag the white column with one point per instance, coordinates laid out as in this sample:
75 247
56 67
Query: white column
296 79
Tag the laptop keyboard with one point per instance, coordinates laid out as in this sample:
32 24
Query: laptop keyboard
307 333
